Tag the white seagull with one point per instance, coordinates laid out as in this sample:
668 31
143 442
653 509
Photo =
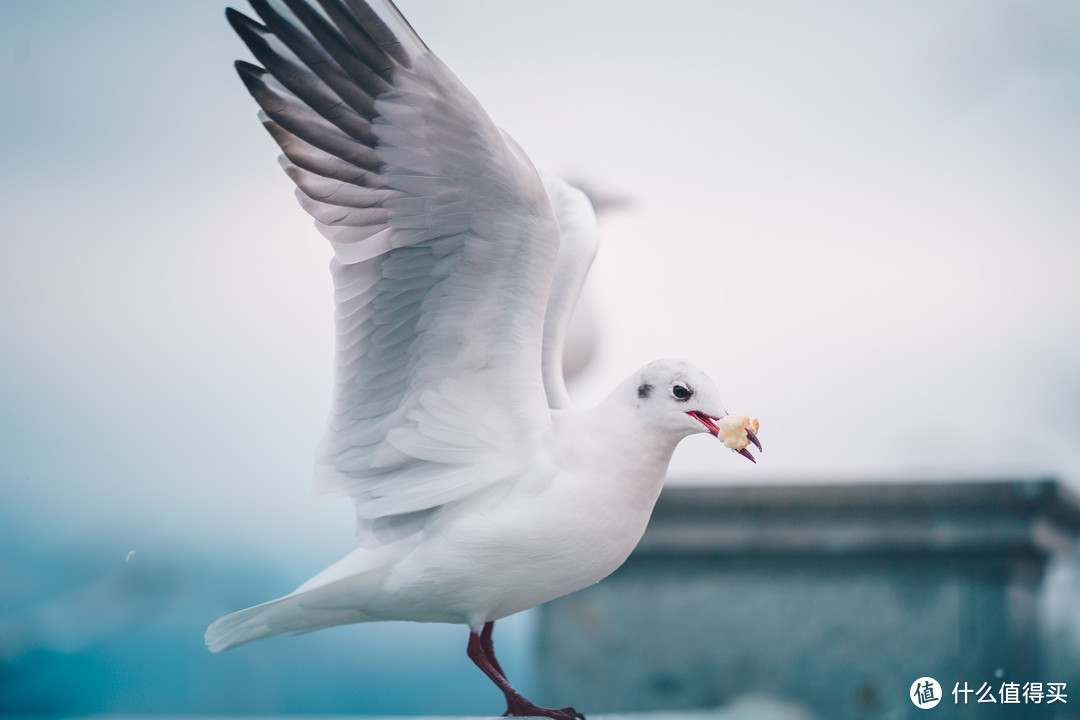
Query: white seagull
479 491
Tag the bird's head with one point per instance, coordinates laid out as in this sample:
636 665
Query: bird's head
678 398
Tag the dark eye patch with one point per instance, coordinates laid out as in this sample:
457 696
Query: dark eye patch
644 390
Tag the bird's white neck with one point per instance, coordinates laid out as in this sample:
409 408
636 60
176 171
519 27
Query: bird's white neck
613 442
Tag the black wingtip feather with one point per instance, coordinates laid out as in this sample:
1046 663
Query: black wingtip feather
251 75
253 34
249 30
242 23
366 70
352 28
249 69
267 14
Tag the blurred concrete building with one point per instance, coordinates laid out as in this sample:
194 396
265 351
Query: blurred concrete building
832 598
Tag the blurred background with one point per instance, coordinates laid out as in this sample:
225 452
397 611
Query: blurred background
862 220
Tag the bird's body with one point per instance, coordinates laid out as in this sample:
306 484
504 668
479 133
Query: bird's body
570 518
479 490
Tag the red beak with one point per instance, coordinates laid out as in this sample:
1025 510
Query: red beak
707 420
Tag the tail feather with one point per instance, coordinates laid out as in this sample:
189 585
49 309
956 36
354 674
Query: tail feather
335 596
289 614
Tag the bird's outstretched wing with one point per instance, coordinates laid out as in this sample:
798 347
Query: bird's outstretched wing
444 248
580 238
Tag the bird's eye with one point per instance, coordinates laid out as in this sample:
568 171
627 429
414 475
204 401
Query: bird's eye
681 392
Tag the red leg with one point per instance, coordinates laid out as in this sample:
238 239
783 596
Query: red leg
489 647
482 652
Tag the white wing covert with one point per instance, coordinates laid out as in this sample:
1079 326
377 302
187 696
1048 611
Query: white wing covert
444 247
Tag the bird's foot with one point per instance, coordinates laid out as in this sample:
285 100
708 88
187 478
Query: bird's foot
527 709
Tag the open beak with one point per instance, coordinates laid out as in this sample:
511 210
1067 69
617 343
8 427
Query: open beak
746 453
707 420
710 424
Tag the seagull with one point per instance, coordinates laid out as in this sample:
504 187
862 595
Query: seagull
479 489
